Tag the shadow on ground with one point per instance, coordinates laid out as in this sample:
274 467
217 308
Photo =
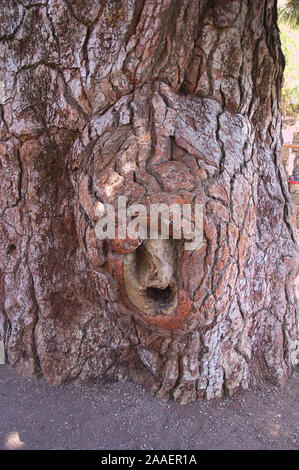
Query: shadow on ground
34 415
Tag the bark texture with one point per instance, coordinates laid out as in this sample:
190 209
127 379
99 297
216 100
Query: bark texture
161 101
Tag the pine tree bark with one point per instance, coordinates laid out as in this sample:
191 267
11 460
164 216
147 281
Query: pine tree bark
161 101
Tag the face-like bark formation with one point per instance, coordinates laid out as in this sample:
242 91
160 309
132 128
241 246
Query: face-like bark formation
149 277
162 102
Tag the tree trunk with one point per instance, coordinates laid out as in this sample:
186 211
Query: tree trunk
159 101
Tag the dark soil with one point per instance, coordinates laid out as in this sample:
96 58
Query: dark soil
34 415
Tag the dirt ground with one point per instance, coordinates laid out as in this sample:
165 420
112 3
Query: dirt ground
120 416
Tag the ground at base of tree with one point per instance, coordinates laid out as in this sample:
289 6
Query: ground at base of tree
34 415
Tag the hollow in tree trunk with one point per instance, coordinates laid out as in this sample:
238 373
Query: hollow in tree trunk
171 101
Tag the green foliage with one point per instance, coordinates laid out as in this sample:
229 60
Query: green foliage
289 35
288 13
